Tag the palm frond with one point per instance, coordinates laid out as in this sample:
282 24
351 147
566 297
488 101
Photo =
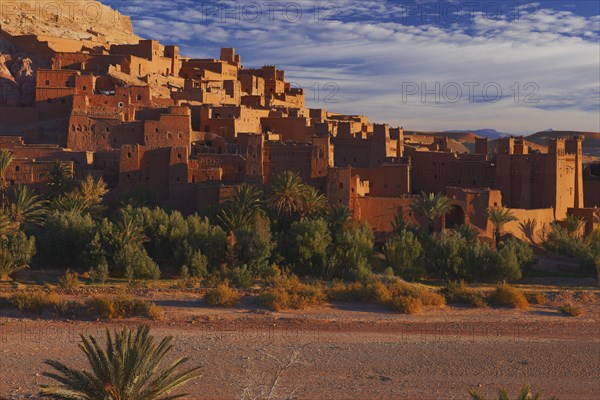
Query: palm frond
129 366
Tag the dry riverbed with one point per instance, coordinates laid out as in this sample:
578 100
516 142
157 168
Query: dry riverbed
339 351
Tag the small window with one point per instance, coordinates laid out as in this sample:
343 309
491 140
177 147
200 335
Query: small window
47 82
139 97
84 88
107 129
129 155
17 168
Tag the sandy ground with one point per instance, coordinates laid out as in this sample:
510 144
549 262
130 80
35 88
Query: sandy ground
340 351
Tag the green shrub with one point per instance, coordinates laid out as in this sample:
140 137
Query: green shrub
255 246
459 292
350 252
70 280
453 257
508 296
222 296
571 310
242 277
586 248
307 246
65 238
100 273
174 240
198 265
402 253
290 293
120 246
16 252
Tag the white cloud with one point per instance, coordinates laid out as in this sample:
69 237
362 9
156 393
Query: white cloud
369 49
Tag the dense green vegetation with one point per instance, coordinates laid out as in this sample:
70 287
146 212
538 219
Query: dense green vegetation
253 236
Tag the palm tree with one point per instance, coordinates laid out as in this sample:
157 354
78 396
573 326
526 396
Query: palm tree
93 193
129 368
26 207
574 225
524 394
314 203
87 199
234 218
287 199
60 179
339 219
7 225
129 231
499 216
468 232
249 198
431 206
72 201
240 212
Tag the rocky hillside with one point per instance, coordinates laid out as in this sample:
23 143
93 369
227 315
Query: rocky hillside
73 19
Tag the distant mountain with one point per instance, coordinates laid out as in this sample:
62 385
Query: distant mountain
491 134
591 141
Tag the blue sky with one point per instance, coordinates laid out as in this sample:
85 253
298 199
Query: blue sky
514 66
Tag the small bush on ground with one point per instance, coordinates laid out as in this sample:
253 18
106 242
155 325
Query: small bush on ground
222 296
34 302
400 288
290 293
571 310
535 298
459 292
70 280
508 296
242 277
100 273
398 295
123 307
524 394
38 302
